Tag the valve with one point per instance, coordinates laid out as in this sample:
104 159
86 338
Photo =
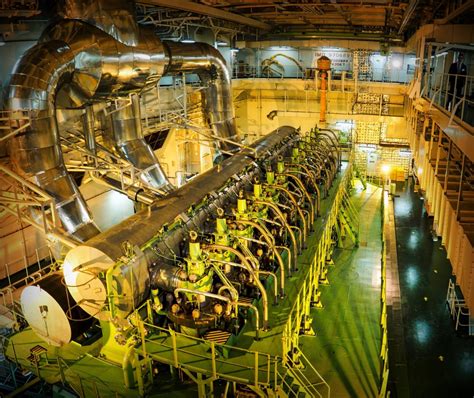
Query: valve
218 309
196 314
257 188
196 266
270 175
157 305
280 165
241 203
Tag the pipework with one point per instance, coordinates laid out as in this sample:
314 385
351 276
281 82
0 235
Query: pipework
295 204
280 215
270 241
242 303
77 63
287 249
249 268
289 174
123 132
300 239
88 261
252 259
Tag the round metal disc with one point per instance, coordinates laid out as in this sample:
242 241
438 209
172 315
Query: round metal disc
45 316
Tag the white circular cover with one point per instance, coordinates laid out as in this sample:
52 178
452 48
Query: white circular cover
81 268
45 316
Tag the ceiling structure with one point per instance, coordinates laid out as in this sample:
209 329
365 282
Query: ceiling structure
386 20
390 21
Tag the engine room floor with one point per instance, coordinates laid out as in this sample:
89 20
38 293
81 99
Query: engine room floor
439 362
346 347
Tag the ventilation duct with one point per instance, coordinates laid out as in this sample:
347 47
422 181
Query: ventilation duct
117 18
208 63
76 63
123 133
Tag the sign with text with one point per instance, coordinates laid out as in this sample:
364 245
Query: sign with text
340 60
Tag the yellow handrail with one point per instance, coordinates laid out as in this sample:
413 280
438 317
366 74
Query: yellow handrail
311 281
383 295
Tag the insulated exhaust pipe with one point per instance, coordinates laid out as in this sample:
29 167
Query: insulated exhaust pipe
76 63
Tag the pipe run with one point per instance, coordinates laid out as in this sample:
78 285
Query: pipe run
250 257
296 206
249 268
123 134
77 63
305 192
211 68
242 303
90 260
281 217
270 241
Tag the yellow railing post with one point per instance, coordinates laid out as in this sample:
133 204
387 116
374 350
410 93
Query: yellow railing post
175 349
269 368
256 369
213 363
384 344
383 317
385 373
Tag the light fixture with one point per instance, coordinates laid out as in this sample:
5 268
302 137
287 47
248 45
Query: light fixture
280 48
367 148
396 63
221 43
186 37
386 169
405 153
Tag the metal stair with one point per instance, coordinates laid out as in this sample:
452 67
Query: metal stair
293 387
360 176
217 336
348 220
299 378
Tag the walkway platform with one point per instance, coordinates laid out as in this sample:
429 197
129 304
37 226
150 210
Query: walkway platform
346 347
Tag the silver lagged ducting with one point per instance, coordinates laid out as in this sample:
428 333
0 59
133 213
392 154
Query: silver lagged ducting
36 151
210 66
76 63
123 131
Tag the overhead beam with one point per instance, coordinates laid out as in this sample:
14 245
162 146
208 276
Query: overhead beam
202 9
451 46
407 15
344 14
456 13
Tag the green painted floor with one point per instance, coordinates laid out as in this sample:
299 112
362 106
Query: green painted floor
346 347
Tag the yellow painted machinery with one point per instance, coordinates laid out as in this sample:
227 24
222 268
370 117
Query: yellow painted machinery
202 268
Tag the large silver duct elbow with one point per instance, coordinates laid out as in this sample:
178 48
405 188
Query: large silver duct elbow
117 18
210 66
77 63
36 151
